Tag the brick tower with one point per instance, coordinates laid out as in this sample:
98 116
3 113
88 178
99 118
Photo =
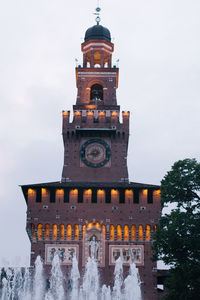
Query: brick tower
94 199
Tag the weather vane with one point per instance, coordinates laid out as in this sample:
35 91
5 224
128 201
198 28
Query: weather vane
97 13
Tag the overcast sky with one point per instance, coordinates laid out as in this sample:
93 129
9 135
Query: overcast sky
158 44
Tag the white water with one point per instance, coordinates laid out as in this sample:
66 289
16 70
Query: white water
20 285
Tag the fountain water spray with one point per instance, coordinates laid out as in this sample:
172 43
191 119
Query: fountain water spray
90 288
132 283
75 275
56 291
19 284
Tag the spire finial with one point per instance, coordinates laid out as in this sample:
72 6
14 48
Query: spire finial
97 13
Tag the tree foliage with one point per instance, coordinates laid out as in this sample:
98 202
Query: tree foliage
177 240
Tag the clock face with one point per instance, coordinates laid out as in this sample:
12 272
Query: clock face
95 153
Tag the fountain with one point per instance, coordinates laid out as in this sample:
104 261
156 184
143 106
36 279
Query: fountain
18 284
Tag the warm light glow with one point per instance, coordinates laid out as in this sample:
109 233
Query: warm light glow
112 233
59 192
119 233
33 231
47 232
133 233
140 233
145 192
97 55
87 195
62 232
54 232
126 233
156 192
69 232
125 113
114 195
155 228
30 191
65 113
44 192
114 113
148 233
90 113
73 195
76 232
90 106
100 196
77 113
40 231
128 195
95 225
101 113
114 192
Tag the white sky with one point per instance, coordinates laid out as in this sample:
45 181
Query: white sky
158 44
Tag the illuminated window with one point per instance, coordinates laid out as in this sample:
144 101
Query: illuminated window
69 232
114 196
59 194
31 194
73 195
119 233
62 232
126 233
128 196
44 192
33 231
47 232
54 232
40 231
87 196
112 232
76 232
133 233
140 233
100 196
154 228
148 233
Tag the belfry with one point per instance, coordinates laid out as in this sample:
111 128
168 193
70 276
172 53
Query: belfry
94 210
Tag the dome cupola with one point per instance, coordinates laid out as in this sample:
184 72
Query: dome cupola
98 32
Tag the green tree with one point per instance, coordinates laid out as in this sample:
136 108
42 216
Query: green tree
177 240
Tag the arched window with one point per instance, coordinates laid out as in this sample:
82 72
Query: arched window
100 196
47 232
119 233
140 233
114 196
40 231
54 232
62 232
133 233
126 233
33 231
112 233
87 195
148 233
96 92
69 232
76 232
